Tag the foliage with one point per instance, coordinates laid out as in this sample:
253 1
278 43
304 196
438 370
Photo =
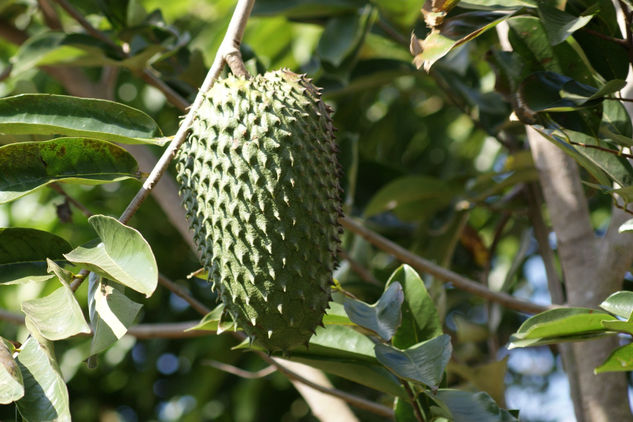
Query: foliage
433 160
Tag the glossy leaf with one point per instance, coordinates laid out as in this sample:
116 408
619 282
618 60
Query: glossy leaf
11 384
616 123
627 226
561 323
48 114
383 317
120 254
558 24
423 362
619 303
58 315
621 359
619 326
45 394
466 407
23 254
111 313
27 166
420 320
452 33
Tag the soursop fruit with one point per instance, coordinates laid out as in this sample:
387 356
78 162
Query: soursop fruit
258 177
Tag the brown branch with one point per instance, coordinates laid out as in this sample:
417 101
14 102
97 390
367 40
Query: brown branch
50 15
76 15
426 266
234 370
84 210
182 293
606 37
229 45
414 402
617 152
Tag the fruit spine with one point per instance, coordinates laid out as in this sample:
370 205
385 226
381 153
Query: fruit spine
258 177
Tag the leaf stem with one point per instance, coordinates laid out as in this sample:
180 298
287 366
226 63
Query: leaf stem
414 402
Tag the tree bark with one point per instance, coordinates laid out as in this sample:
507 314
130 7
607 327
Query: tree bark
593 268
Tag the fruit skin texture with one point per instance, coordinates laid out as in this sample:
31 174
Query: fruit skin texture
259 181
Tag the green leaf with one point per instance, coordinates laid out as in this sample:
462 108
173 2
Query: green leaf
586 163
619 326
383 317
420 320
120 254
58 315
621 359
303 9
403 411
423 362
496 4
552 92
616 123
616 167
45 393
11 384
27 166
111 313
619 303
401 193
23 254
341 37
59 48
47 114
558 24
561 323
451 34
467 407
344 352
336 315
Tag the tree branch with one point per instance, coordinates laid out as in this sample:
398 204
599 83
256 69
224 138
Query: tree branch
230 43
423 265
234 370
180 292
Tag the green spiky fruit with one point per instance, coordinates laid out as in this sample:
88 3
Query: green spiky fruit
259 180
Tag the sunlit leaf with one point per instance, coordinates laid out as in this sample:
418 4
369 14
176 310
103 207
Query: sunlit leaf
561 323
27 166
45 393
619 303
48 114
213 321
11 384
383 317
558 24
466 407
23 254
111 313
621 359
452 33
58 315
420 320
423 362
120 254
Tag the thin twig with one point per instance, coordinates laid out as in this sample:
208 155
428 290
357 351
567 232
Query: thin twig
617 152
618 41
84 210
180 292
359 269
76 15
435 270
234 370
229 45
